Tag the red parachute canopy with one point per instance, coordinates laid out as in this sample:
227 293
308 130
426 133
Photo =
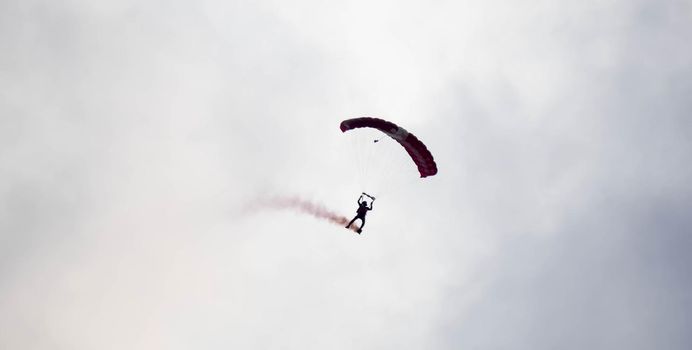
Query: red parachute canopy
415 148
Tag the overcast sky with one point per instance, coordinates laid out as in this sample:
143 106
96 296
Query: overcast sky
133 135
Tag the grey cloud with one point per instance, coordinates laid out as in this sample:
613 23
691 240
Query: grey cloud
130 134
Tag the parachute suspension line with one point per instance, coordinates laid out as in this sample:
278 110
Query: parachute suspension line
395 167
401 167
354 157
361 165
368 161
375 154
386 164
364 154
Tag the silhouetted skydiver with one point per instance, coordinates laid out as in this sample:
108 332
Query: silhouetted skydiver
360 212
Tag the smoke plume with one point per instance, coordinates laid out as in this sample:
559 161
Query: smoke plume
303 206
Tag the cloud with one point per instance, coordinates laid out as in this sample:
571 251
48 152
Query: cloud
131 134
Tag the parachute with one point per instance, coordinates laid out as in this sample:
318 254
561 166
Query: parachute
419 153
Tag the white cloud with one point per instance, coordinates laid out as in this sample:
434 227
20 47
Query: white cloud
132 133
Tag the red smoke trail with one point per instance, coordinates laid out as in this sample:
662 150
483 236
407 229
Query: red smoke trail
303 206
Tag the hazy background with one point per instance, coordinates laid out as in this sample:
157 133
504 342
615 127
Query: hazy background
133 134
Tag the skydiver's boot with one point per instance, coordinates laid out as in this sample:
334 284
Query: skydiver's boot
359 231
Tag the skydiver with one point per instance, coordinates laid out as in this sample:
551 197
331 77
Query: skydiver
361 211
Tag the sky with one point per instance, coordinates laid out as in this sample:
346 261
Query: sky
135 137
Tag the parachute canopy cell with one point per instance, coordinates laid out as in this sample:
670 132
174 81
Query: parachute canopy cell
419 153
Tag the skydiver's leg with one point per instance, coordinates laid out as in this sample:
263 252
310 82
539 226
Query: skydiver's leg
349 224
362 223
